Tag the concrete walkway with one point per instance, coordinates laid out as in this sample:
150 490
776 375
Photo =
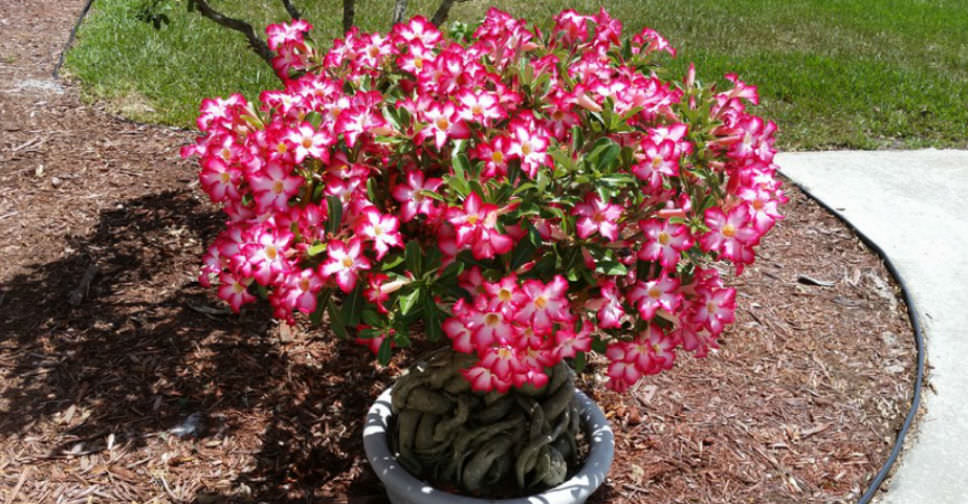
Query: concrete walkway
914 204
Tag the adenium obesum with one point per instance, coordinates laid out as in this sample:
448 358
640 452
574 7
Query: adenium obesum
531 196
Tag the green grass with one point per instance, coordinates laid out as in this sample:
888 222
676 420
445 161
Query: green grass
833 74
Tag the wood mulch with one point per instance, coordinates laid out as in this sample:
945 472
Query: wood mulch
122 380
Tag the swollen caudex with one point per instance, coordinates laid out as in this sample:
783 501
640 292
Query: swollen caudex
475 441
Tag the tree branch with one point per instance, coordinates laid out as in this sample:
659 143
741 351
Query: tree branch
349 11
292 10
399 11
258 45
443 11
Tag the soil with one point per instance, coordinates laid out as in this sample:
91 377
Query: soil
122 380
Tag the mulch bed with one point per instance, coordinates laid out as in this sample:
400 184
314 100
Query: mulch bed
122 380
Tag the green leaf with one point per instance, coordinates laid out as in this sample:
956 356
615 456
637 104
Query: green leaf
314 118
430 194
316 249
370 333
524 187
522 253
316 317
336 319
577 138
432 319
392 262
450 272
598 345
353 306
598 147
618 179
606 262
457 184
409 301
372 318
462 165
607 161
412 254
611 268
563 161
383 355
335 207
579 362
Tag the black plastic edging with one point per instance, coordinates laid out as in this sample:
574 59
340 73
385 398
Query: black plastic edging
70 39
918 341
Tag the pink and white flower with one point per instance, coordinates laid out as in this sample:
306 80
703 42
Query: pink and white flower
380 229
346 261
597 216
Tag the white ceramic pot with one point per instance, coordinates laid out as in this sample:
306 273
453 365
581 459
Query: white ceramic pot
402 488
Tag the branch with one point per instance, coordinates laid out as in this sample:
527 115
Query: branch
292 10
258 45
349 11
441 15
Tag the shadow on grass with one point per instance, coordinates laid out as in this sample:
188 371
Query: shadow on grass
146 348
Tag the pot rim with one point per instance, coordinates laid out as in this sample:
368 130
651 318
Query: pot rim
574 490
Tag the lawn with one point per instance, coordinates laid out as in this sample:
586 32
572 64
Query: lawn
860 74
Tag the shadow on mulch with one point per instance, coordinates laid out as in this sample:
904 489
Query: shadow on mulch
144 353
799 405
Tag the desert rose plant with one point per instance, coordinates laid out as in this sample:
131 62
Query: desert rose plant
528 197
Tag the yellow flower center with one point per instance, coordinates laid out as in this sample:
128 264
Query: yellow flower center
418 62
758 204
307 142
492 319
226 178
282 147
729 231
497 157
472 219
443 123
277 187
304 284
271 252
541 302
477 110
655 293
664 238
504 295
347 262
525 149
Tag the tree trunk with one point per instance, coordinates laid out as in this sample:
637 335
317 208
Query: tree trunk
349 12
399 12
441 15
